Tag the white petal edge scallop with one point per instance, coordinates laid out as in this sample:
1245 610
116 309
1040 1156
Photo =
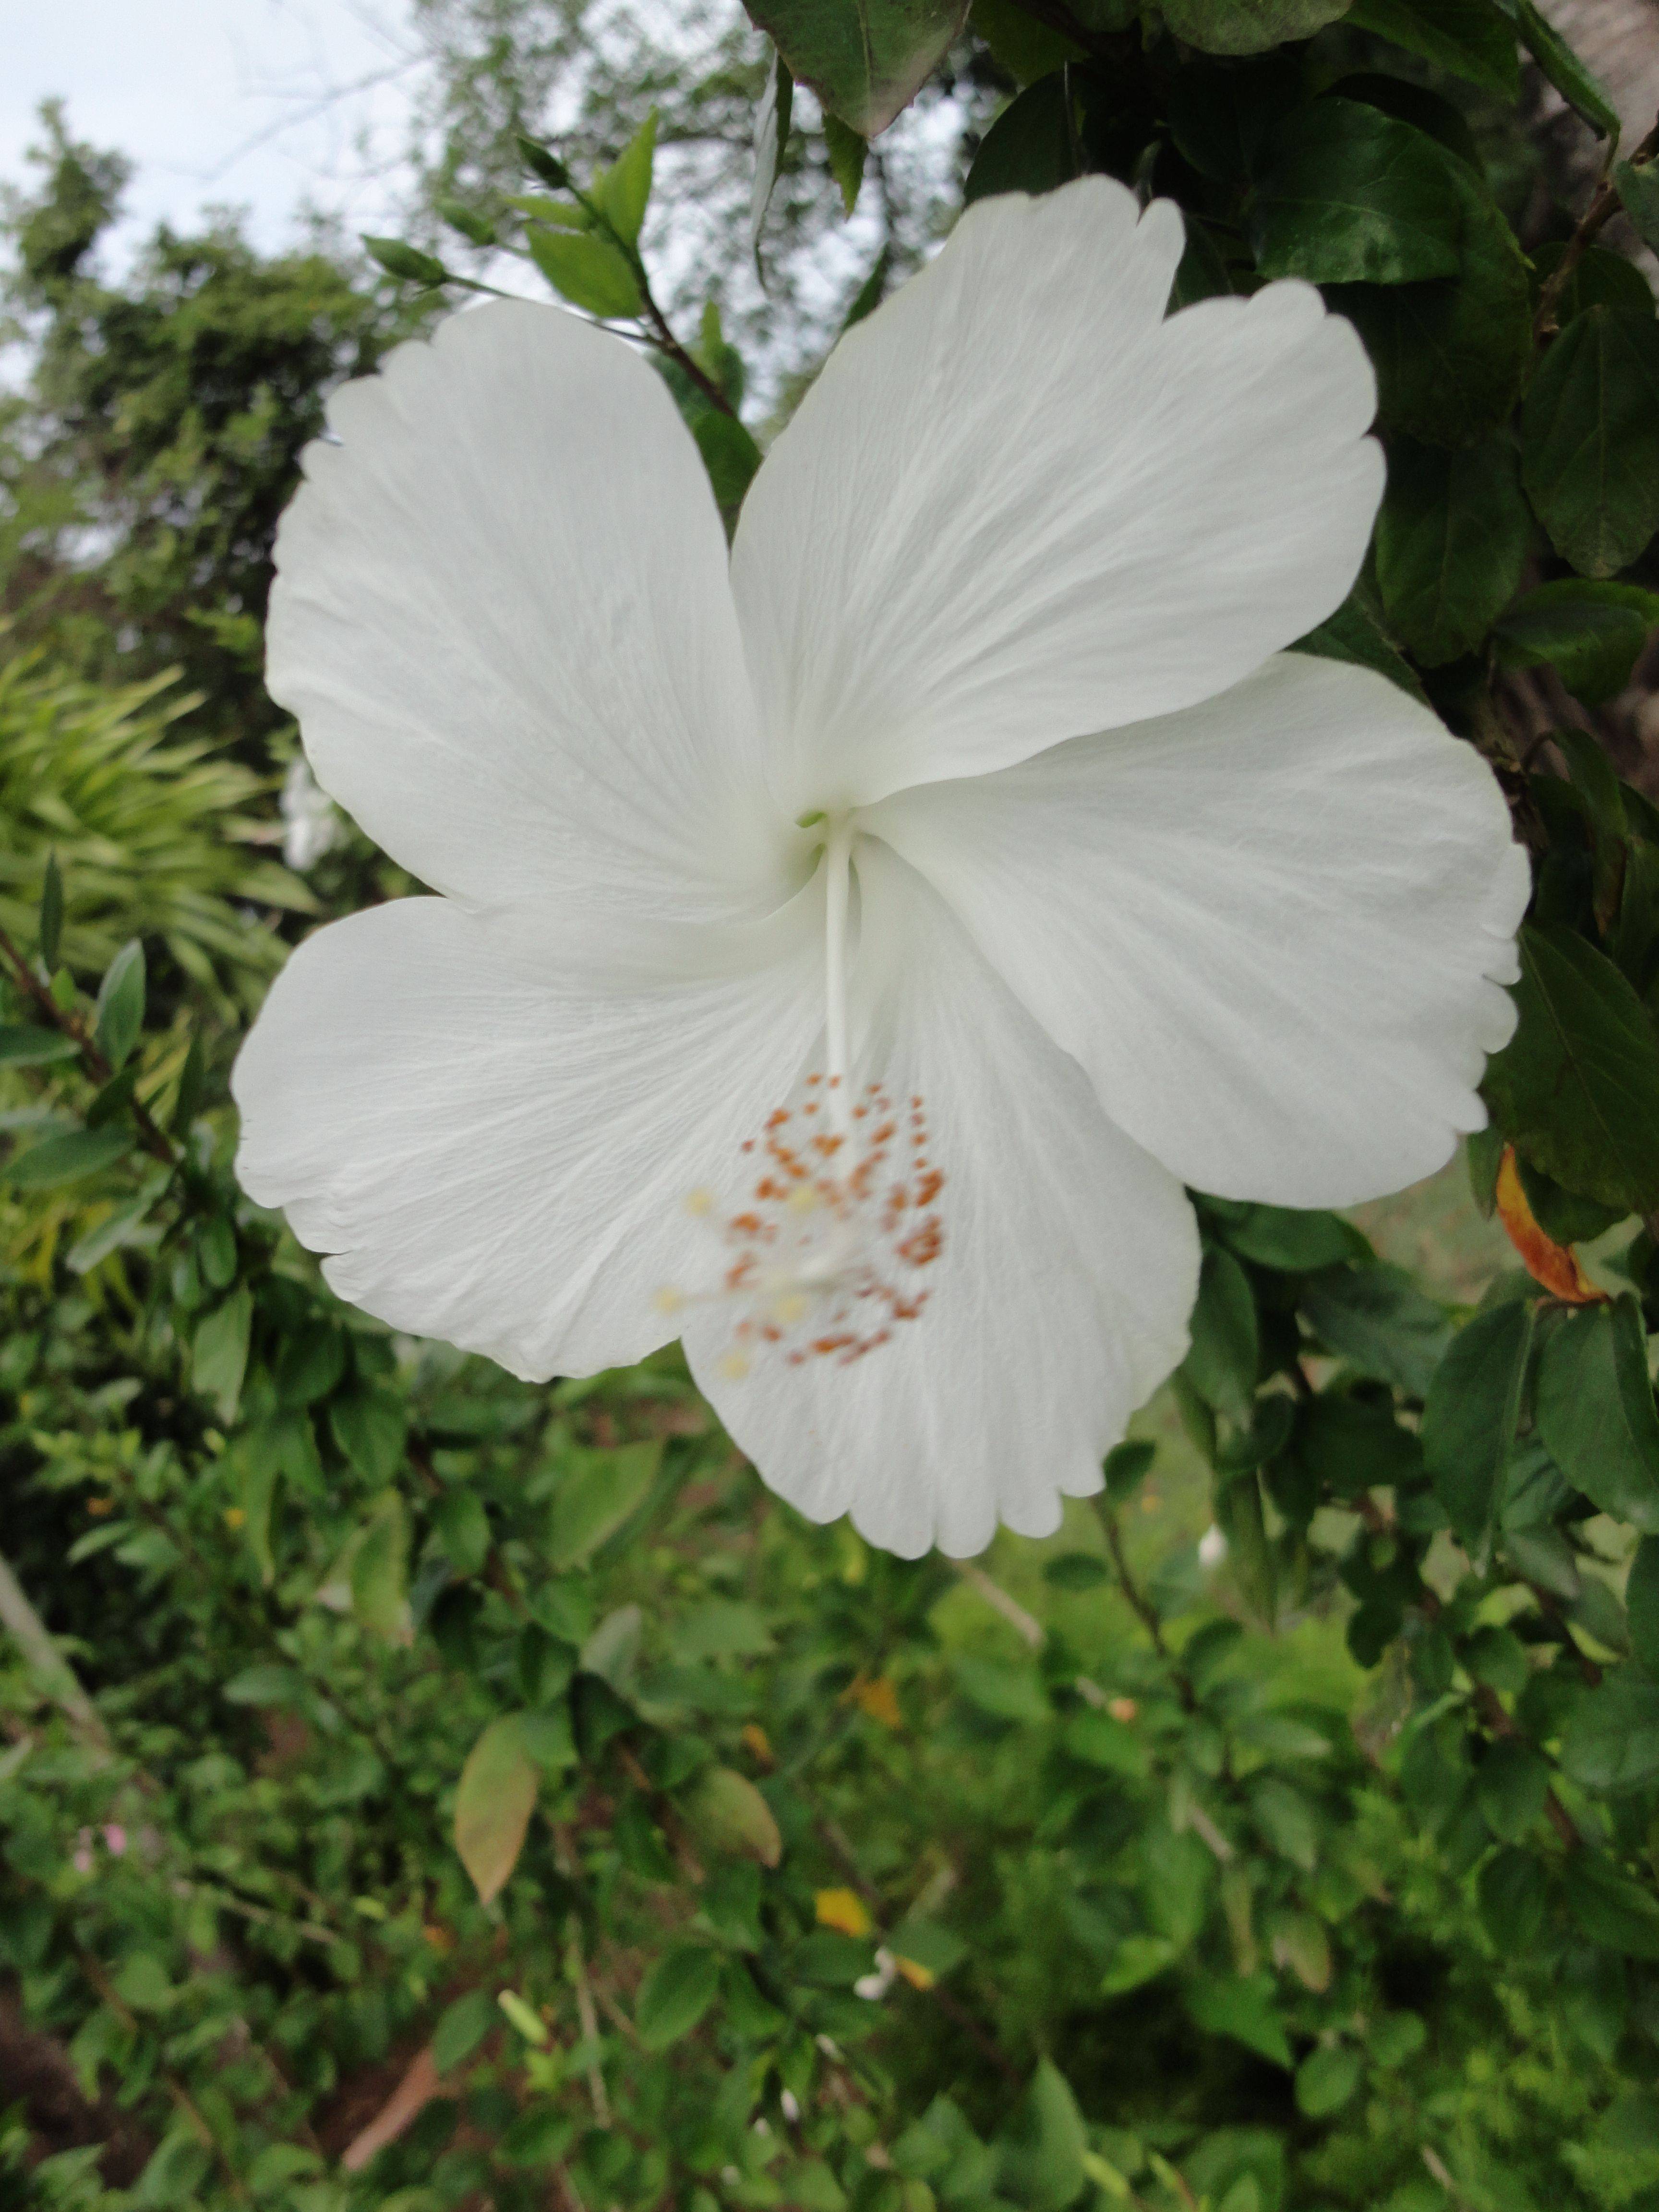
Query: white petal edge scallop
503 617
497 1152
1019 505
1059 1300
1273 927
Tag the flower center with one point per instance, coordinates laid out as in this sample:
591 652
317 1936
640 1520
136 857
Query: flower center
826 1251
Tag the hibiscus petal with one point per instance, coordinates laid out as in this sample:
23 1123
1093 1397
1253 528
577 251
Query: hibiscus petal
1057 1306
502 615
1273 927
499 1154
1018 505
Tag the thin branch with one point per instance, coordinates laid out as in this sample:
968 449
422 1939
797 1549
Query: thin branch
1605 204
998 1598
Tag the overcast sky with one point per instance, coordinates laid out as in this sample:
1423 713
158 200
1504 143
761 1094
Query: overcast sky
218 99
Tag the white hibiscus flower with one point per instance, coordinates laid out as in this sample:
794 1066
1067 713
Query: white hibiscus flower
845 952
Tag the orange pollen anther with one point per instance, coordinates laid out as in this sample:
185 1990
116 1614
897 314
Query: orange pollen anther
829 1249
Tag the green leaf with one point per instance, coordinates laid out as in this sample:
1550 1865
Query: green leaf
1349 1446
1451 541
771 137
264 1685
603 1491
1221 1364
1099 1740
1353 634
379 1571
1042 2155
1641 1602
1126 1466
847 153
1026 48
1075 1570
1576 85
1573 1089
51 912
66 1159
1601 279
1288 1238
1590 633
866 60
371 1427
623 191
1002 1693
730 455
1472 1413
462 2027
1590 440
1638 184
1352 196
1378 1320
1247 26
727 1809
676 1991
1611 1909
1470 38
589 271
1030 147
1451 356
1514 1900
494 1800
117 1228
1510 1786
26 1045
219 1355
543 163
1137 1959
407 262
1610 1741
476 228
1596 1412
463 1530
1243 2008
1326 2079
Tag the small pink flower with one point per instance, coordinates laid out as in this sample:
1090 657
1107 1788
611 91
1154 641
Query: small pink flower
115 1836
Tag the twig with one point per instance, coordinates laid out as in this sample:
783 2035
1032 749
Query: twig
1605 204
153 1138
1011 1609
419 2085
590 2023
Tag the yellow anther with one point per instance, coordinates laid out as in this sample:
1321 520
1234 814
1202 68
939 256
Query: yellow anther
668 1300
804 1199
700 1201
734 1366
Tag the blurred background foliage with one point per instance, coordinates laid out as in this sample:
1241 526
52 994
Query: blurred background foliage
421 1790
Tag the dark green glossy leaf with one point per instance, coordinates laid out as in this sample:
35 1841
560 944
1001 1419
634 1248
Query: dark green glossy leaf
866 60
1469 38
1451 541
1451 356
847 153
1641 1602
1611 1909
1600 279
1030 147
1026 48
1596 1412
1590 632
1354 633
51 912
1378 1320
1285 1236
1574 1088
1353 196
1472 1413
1590 439
1221 1364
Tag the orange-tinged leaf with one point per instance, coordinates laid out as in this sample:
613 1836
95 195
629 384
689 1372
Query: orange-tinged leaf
879 1698
1555 1266
756 1739
843 1909
493 1805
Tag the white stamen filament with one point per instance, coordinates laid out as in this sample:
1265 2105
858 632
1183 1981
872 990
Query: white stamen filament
837 861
